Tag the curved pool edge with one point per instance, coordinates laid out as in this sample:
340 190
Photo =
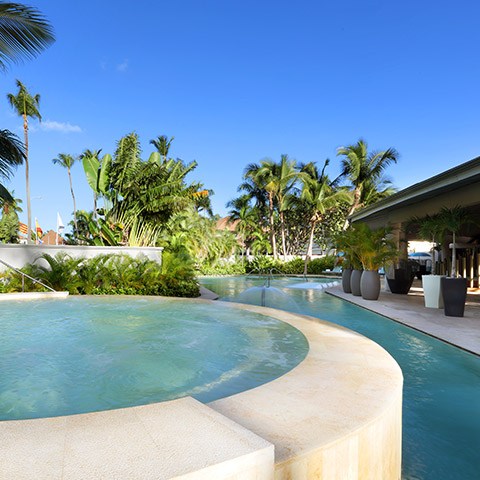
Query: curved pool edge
342 423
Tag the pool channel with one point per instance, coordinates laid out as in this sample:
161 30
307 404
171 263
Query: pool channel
441 409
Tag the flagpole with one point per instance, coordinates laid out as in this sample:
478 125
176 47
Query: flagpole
36 232
56 234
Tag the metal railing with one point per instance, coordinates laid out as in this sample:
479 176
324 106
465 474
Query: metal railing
28 276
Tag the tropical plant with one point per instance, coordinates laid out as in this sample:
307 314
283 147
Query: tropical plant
318 191
9 220
277 179
146 194
26 106
245 219
96 170
61 272
363 170
162 144
431 228
24 33
346 244
12 154
67 161
374 247
451 220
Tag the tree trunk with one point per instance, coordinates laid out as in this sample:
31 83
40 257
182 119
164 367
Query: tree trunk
95 206
282 226
74 206
308 254
272 227
454 258
355 205
29 211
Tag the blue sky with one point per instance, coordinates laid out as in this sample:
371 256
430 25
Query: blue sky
235 82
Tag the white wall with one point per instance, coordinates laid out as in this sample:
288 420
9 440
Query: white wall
18 255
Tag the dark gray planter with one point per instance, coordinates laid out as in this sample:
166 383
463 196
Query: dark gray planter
401 281
355 282
346 274
454 293
370 285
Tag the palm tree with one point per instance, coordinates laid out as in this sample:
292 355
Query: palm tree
24 33
26 106
277 179
162 144
246 219
321 196
67 161
363 169
11 155
451 220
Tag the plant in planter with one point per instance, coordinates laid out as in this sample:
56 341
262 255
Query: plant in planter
454 290
431 228
375 250
345 242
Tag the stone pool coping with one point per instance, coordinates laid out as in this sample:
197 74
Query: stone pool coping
32 295
336 415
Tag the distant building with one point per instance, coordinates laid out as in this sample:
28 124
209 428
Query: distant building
51 238
226 224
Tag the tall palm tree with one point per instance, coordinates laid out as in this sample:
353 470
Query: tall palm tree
11 155
321 196
362 169
24 33
277 179
67 161
246 219
26 106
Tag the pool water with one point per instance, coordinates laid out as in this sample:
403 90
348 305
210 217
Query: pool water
441 409
77 355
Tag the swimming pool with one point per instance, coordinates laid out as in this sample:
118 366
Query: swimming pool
441 411
84 354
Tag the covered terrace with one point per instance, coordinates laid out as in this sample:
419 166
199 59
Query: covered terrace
457 186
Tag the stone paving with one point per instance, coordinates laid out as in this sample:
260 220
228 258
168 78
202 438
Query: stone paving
463 332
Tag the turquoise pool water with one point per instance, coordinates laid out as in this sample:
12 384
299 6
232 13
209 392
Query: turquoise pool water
77 355
441 410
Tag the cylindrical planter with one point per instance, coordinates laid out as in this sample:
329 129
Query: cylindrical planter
355 282
454 293
346 274
432 291
370 285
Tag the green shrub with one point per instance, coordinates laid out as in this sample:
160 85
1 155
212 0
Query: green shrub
109 275
234 268
319 265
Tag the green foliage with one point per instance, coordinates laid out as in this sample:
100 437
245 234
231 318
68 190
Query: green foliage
24 33
319 265
292 267
109 275
9 227
367 248
223 268
61 273
12 280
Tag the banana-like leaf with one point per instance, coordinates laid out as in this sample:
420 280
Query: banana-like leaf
5 195
103 175
91 166
155 157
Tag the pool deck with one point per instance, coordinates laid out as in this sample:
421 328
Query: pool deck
463 332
